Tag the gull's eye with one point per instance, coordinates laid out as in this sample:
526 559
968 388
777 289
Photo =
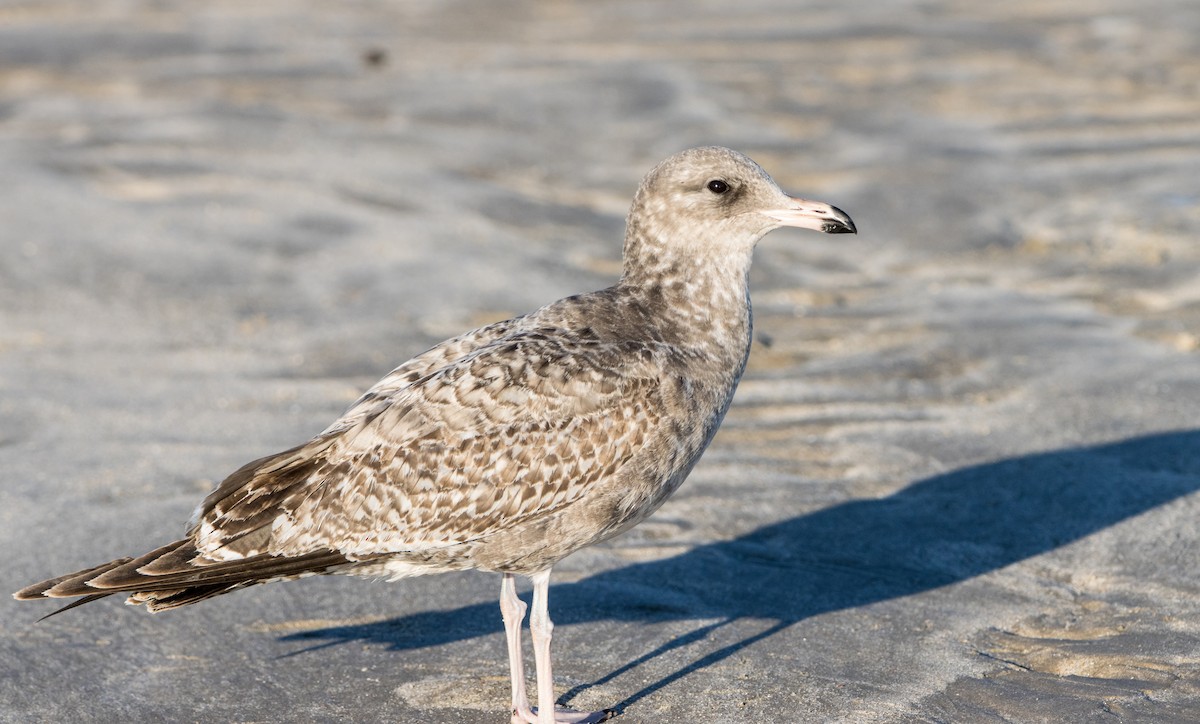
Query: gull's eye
717 186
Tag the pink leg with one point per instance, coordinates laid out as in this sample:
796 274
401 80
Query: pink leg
512 609
540 629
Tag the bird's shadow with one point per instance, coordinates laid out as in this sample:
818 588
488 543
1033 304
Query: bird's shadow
937 531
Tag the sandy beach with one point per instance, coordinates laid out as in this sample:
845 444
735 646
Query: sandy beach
960 481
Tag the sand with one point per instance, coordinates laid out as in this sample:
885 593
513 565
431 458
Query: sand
958 483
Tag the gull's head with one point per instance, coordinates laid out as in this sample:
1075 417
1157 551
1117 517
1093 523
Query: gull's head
714 199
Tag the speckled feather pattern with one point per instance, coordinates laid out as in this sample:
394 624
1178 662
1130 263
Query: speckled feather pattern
509 447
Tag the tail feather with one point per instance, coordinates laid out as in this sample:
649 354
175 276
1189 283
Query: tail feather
257 568
175 575
156 601
171 562
131 570
40 589
73 604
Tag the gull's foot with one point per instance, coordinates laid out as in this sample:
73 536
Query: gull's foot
563 715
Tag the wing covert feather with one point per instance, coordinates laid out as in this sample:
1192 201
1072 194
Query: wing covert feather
510 431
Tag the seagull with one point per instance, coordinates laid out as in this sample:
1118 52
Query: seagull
509 447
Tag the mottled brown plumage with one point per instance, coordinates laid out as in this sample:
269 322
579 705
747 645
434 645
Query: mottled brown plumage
509 447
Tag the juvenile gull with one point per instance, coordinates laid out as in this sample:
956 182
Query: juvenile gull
511 446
